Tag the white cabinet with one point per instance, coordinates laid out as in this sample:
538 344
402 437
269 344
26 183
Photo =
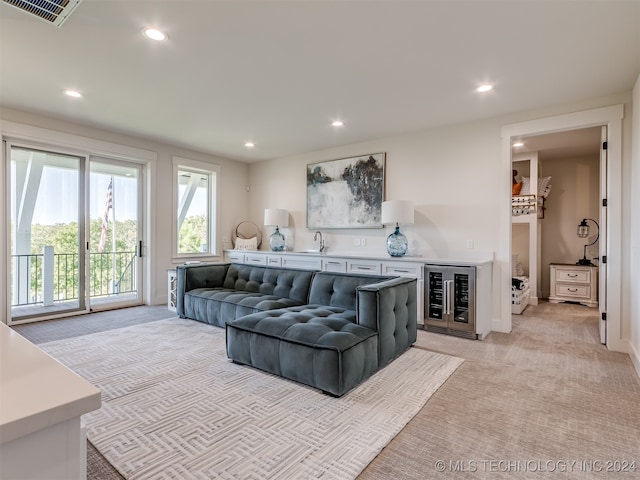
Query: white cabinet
367 267
337 265
274 260
573 283
304 262
234 256
255 259
411 270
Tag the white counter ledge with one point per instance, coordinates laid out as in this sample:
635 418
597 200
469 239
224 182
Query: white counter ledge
41 402
470 259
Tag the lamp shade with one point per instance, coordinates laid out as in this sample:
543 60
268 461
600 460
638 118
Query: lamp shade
583 229
276 216
397 211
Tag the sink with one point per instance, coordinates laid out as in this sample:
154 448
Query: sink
313 252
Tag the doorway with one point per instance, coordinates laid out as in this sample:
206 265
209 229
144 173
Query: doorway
565 168
74 245
611 117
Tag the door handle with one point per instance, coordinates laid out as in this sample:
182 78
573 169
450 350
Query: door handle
140 249
447 290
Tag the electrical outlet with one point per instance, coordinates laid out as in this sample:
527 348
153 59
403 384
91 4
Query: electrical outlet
469 244
363 242
356 242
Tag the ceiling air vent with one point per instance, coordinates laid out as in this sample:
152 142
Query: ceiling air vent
51 11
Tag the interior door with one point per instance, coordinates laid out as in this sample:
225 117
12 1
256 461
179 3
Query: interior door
602 270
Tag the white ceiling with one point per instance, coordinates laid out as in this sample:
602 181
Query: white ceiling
277 73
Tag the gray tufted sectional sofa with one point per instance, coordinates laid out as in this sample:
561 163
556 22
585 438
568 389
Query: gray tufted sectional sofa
327 330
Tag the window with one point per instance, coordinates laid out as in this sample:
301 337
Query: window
196 187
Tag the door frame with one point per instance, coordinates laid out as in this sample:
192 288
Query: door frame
611 117
13 131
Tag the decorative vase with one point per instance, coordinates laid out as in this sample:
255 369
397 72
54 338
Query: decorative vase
276 241
397 244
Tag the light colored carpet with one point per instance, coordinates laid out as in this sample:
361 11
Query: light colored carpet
546 401
175 407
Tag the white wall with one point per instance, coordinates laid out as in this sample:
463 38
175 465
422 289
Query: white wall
575 195
634 275
234 199
452 174
448 181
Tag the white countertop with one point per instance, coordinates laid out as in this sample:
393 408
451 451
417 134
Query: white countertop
36 391
471 260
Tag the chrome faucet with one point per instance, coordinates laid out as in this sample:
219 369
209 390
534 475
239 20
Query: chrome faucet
315 238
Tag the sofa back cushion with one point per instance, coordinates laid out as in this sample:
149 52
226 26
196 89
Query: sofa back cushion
282 282
338 289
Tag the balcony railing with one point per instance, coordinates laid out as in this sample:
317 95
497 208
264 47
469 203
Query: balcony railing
49 278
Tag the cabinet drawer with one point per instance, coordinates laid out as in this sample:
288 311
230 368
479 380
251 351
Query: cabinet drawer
569 275
337 265
255 259
577 291
413 271
235 257
302 262
364 266
274 261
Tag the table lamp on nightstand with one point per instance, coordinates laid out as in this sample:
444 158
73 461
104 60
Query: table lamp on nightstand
583 232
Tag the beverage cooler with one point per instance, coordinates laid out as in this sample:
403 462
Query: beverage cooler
450 300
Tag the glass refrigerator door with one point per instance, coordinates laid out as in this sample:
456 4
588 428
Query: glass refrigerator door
435 298
461 298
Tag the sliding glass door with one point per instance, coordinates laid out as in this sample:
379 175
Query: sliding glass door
75 233
114 234
47 260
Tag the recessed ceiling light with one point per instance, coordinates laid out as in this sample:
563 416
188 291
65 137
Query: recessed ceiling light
484 88
73 93
154 34
518 144
337 123
249 145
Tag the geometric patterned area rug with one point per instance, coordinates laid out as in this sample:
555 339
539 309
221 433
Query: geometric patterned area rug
174 407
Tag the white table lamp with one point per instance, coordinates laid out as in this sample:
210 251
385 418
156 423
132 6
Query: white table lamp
278 218
398 212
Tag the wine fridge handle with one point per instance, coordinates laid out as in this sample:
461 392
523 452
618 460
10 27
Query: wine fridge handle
447 296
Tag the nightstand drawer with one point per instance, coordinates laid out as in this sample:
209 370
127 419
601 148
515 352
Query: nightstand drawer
577 291
569 275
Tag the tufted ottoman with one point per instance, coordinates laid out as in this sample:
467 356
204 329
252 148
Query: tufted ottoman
317 345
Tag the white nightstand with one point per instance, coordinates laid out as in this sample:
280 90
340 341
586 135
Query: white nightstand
574 283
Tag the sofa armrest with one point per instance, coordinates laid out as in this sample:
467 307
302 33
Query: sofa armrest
193 276
389 308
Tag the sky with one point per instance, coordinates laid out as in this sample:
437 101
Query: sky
58 197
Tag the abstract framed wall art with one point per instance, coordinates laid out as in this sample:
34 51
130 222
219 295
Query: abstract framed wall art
346 193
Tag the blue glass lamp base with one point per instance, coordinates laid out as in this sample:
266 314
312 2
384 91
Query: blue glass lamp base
276 241
397 244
